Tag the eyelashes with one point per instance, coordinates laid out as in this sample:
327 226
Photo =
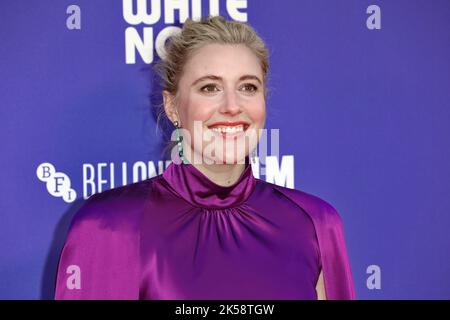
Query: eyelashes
211 88
252 86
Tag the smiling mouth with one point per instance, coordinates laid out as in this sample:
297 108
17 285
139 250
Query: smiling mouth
229 131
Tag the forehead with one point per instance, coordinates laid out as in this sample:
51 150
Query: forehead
226 60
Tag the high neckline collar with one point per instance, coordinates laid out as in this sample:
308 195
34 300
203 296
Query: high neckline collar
196 188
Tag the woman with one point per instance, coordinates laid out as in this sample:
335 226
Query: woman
206 228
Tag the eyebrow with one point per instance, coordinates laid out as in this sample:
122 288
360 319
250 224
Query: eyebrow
217 78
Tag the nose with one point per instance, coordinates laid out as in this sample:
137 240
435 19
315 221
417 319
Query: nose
230 105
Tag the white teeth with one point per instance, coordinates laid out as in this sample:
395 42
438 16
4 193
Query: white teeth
228 129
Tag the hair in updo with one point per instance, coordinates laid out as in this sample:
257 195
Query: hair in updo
196 34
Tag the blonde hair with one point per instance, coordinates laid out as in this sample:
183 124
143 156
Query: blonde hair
193 36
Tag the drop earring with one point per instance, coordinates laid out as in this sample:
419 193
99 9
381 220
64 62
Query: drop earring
180 145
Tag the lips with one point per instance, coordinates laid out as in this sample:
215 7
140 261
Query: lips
229 129
229 124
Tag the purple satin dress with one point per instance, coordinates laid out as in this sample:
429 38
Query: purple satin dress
181 236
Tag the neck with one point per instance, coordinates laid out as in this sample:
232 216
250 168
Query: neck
222 174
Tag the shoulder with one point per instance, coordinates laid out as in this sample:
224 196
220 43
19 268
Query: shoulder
320 210
100 256
114 209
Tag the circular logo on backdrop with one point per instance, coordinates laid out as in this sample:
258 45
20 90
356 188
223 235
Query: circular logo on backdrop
58 183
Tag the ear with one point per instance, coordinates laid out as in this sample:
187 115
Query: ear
169 106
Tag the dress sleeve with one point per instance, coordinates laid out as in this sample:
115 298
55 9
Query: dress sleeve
98 260
337 273
338 278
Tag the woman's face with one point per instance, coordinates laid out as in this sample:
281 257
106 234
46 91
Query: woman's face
221 104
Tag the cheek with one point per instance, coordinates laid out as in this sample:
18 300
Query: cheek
197 112
197 109
257 112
